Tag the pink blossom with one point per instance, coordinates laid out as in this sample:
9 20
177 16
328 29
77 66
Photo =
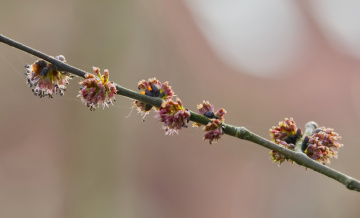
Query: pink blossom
45 79
285 135
152 88
206 109
214 130
173 115
97 89
320 145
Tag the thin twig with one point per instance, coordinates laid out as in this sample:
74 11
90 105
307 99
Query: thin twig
239 132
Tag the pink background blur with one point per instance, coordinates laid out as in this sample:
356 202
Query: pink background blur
260 61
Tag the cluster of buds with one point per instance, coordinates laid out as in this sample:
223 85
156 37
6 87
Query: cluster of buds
97 90
206 109
318 144
214 129
285 135
173 115
152 88
45 79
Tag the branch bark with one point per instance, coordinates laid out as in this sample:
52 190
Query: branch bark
239 132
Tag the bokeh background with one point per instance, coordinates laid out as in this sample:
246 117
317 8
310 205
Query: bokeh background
260 60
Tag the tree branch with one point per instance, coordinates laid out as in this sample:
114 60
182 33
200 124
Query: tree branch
240 132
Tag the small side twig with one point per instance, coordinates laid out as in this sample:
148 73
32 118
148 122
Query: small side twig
239 132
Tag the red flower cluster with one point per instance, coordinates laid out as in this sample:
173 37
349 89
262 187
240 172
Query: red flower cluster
277 157
97 90
173 115
285 130
46 79
320 145
214 129
285 135
155 88
206 109
152 88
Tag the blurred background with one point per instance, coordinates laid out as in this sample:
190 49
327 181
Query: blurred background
260 60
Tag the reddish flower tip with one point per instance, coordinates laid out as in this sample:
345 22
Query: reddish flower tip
277 157
152 88
214 130
285 135
206 109
45 79
173 115
97 90
285 130
320 145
